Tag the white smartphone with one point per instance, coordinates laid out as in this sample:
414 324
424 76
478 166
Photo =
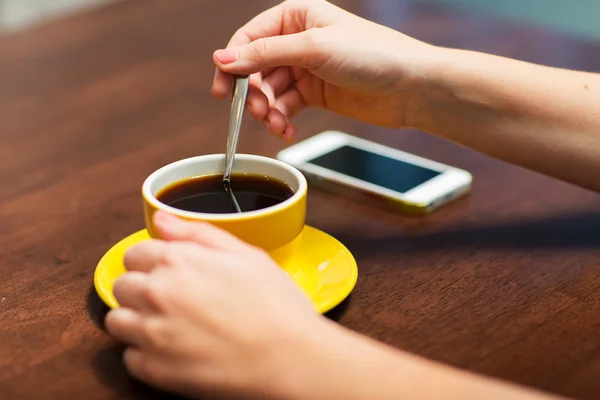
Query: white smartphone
356 167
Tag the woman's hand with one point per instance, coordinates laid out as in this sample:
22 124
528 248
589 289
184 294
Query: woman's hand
205 313
311 53
208 316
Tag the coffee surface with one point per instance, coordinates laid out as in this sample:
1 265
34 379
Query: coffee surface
207 194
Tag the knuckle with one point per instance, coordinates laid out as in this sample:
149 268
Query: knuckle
149 293
311 56
170 256
240 33
261 48
164 336
198 235
163 288
154 292
311 37
151 331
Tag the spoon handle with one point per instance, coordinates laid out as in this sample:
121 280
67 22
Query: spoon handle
240 92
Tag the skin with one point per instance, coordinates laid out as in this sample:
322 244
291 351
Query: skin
199 323
195 315
538 117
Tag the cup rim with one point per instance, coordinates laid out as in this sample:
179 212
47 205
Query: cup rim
150 198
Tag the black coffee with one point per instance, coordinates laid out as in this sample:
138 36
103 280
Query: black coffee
207 194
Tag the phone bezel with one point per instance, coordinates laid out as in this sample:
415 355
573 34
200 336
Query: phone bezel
442 187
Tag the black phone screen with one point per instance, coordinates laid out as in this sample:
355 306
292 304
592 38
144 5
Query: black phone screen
375 168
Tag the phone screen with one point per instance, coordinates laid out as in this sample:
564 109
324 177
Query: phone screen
374 168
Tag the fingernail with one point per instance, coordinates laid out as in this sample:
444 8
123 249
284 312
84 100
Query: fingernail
123 314
226 56
249 107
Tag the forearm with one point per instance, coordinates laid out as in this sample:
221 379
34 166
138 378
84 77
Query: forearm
541 118
343 365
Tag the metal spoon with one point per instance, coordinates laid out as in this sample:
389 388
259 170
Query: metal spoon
240 92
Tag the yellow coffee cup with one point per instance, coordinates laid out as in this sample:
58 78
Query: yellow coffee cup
276 229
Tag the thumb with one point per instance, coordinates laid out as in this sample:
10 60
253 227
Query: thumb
297 50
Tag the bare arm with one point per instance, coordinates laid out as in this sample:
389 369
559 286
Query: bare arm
339 364
541 118
272 350
545 119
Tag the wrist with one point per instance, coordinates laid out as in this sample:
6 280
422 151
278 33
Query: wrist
303 361
326 361
429 89
332 362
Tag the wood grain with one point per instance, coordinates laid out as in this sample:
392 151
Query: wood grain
504 282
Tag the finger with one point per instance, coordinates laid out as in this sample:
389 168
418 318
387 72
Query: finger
222 86
145 256
159 372
138 365
134 360
256 80
257 103
267 23
131 291
290 103
171 228
277 83
298 49
125 324
276 122
151 257
289 134
267 72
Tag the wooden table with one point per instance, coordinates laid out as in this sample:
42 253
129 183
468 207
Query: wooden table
504 282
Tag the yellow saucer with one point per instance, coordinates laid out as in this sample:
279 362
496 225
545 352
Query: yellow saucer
324 268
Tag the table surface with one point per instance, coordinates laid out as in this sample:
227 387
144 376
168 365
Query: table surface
503 282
